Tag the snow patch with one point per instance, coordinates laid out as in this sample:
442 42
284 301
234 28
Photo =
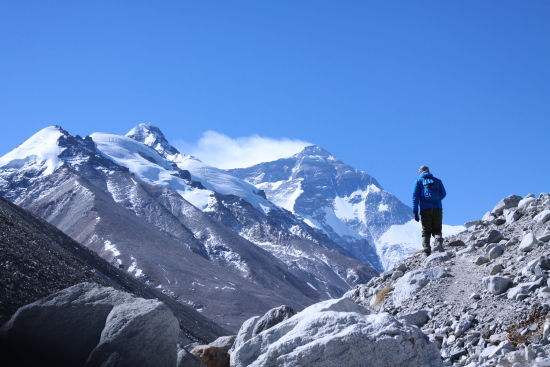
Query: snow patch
383 208
133 268
285 193
402 240
42 147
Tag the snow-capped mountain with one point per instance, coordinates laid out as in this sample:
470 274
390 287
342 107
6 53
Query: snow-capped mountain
244 208
347 204
229 253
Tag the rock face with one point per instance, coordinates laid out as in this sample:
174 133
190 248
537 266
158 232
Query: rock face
338 333
90 325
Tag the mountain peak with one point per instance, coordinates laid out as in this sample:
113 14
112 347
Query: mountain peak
316 150
43 147
152 136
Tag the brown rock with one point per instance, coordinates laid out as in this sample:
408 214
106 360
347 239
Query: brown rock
212 356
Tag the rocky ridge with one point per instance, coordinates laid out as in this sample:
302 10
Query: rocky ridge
485 300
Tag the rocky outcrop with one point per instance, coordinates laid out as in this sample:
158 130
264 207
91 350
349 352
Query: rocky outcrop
91 325
257 324
338 333
488 301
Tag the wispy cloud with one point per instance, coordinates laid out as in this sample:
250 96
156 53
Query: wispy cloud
222 151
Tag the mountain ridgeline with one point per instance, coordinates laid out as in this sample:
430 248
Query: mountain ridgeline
228 243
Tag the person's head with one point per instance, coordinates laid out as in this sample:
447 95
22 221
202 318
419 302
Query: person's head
423 169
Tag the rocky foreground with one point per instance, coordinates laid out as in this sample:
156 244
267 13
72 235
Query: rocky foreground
484 301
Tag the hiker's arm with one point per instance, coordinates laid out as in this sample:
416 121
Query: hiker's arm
416 197
443 192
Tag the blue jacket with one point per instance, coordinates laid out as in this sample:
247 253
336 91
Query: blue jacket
418 197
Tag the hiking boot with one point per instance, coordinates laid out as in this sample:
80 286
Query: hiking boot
426 245
439 244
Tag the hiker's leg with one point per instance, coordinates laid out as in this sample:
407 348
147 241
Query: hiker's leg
437 225
426 220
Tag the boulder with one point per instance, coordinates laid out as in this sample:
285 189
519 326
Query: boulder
456 243
211 356
186 359
224 342
495 252
497 284
493 236
480 260
524 290
542 217
418 318
139 333
545 237
88 324
244 333
528 243
512 215
273 317
338 333
496 269
506 203
537 266
524 203
257 324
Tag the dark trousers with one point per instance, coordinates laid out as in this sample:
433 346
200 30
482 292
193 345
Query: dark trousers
432 221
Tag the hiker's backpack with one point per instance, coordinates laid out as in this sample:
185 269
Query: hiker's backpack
432 189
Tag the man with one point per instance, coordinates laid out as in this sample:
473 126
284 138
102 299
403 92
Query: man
428 193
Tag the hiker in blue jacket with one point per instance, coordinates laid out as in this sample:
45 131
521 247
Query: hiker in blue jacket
428 193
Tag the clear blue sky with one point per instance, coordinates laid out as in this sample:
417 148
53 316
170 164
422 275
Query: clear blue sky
463 86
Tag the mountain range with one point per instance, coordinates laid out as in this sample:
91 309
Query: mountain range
229 243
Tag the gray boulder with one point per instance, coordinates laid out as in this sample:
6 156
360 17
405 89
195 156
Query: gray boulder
480 260
512 215
139 333
493 236
91 325
338 333
495 252
224 342
524 290
418 318
528 243
245 332
506 203
536 267
525 202
272 318
542 217
545 237
497 284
